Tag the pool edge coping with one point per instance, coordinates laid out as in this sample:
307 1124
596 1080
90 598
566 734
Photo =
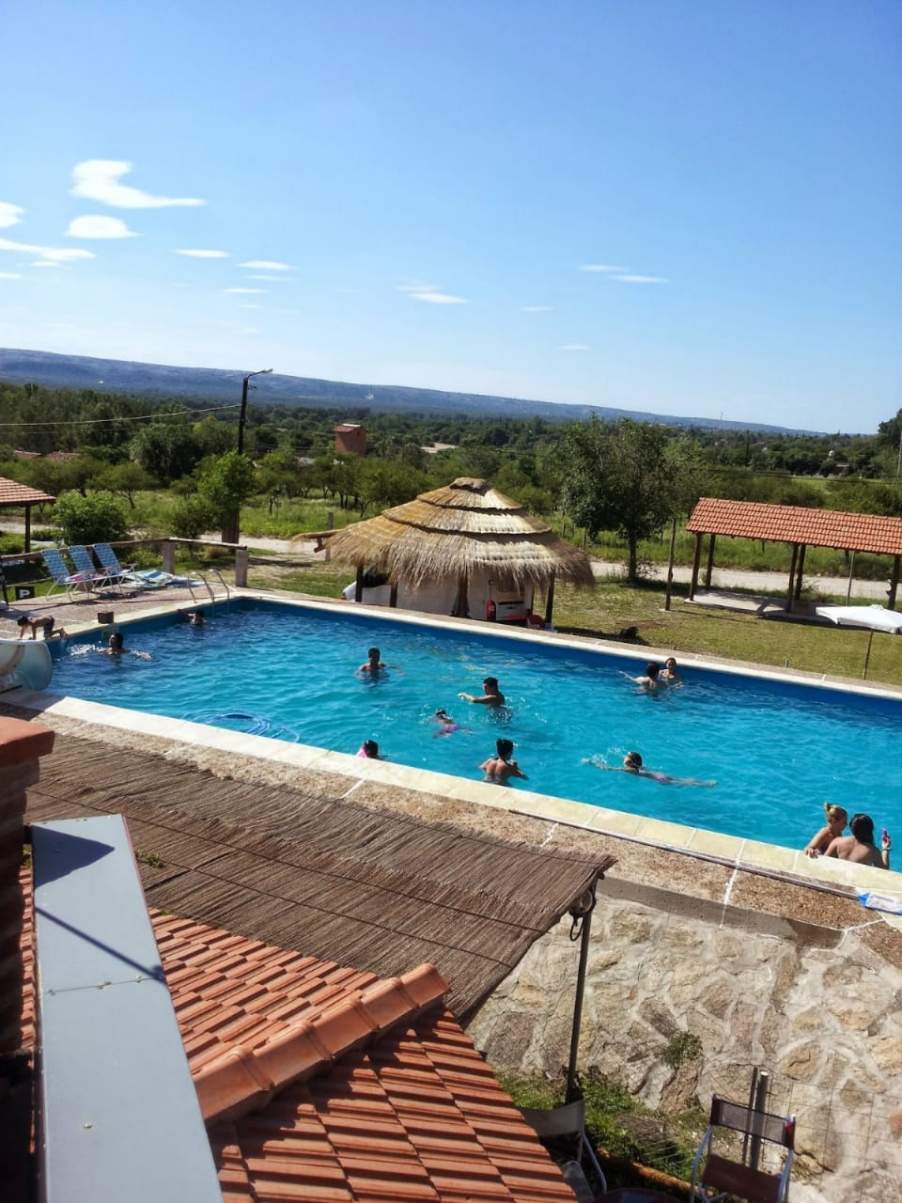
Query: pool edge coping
731 851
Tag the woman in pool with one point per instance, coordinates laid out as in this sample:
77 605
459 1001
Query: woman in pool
446 724
836 825
670 675
500 767
369 750
632 763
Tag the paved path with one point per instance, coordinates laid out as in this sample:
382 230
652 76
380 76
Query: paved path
760 582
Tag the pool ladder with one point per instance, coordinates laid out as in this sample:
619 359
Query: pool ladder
207 586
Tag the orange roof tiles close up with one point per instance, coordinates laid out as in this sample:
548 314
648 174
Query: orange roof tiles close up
12 494
326 1084
797 524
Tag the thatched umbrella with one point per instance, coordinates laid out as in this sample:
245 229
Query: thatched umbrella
456 533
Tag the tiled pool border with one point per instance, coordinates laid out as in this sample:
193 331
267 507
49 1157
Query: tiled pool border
694 841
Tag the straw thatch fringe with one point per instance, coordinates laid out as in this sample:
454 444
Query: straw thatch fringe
363 888
456 532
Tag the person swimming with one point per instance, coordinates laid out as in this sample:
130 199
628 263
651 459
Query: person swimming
652 680
373 666
500 767
446 724
369 750
196 618
116 647
491 696
633 763
859 847
837 817
670 674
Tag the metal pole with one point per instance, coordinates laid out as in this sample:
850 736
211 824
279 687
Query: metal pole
242 417
753 1086
585 934
669 590
760 1105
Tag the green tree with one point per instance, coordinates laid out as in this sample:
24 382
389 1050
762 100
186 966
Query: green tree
386 483
224 482
623 478
167 450
125 480
97 518
190 517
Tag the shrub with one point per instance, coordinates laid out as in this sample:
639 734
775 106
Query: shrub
97 518
191 516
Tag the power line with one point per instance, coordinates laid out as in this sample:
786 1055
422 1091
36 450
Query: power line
130 418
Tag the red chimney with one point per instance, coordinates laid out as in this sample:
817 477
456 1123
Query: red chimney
350 439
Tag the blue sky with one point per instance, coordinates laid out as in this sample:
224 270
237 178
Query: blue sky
438 176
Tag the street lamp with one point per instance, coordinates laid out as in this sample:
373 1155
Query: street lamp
242 417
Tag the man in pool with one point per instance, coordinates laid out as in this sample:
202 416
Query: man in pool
374 665
492 695
196 618
500 767
652 680
632 763
859 847
116 647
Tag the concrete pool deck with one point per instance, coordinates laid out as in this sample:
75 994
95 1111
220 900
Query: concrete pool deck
698 843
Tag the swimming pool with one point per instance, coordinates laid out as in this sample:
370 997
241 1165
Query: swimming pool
776 750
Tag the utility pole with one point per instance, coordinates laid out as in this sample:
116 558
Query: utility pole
899 456
242 417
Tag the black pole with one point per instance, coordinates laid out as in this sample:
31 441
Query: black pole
586 906
242 417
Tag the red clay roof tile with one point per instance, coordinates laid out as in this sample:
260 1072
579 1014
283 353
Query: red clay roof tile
13 494
798 524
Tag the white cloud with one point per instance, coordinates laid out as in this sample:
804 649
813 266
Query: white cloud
268 265
273 279
537 308
10 275
601 267
52 253
98 179
574 347
633 279
204 254
93 225
10 215
247 291
431 294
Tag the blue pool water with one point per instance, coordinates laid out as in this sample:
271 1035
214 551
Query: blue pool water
777 751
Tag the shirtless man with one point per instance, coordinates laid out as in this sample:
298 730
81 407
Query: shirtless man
500 767
491 697
116 647
859 847
373 665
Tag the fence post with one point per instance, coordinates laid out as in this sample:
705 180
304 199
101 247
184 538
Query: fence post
241 567
330 523
168 555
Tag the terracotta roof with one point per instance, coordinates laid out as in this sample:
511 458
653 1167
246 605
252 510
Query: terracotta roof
798 524
326 1084
12 493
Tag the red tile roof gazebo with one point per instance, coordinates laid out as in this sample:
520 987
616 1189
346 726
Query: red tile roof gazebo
799 526
17 496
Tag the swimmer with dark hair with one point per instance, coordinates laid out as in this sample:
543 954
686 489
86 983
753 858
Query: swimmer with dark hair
652 680
491 696
116 647
446 724
369 750
671 675
632 763
859 847
500 767
374 664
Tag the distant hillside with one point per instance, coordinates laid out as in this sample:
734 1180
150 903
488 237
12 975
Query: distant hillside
214 384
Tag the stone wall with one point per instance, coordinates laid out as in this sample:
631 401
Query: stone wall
816 1004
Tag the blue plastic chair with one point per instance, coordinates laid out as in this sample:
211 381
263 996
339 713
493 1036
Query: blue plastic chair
71 583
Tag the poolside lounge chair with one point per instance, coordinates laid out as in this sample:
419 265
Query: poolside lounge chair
71 583
84 566
715 1177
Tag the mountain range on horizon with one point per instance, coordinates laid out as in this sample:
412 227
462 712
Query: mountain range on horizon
217 384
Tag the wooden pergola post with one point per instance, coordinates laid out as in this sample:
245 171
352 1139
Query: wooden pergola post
696 561
393 595
709 567
792 574
894 582
358 584
669 590
800 567
549 603
851 576
28 528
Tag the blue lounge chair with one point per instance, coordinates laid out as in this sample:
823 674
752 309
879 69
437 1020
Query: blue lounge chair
71 583
84 566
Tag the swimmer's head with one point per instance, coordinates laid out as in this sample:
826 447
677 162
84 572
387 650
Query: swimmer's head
633 760
670 664
504 748
373 655
652 669
491 684
370 747
836 815
862 827
116 641
443 714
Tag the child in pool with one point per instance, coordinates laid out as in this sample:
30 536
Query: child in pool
446 724
369 750
837 818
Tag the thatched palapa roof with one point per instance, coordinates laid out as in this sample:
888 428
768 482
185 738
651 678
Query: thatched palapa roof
465 528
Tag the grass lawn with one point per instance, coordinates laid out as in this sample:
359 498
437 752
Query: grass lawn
612 605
